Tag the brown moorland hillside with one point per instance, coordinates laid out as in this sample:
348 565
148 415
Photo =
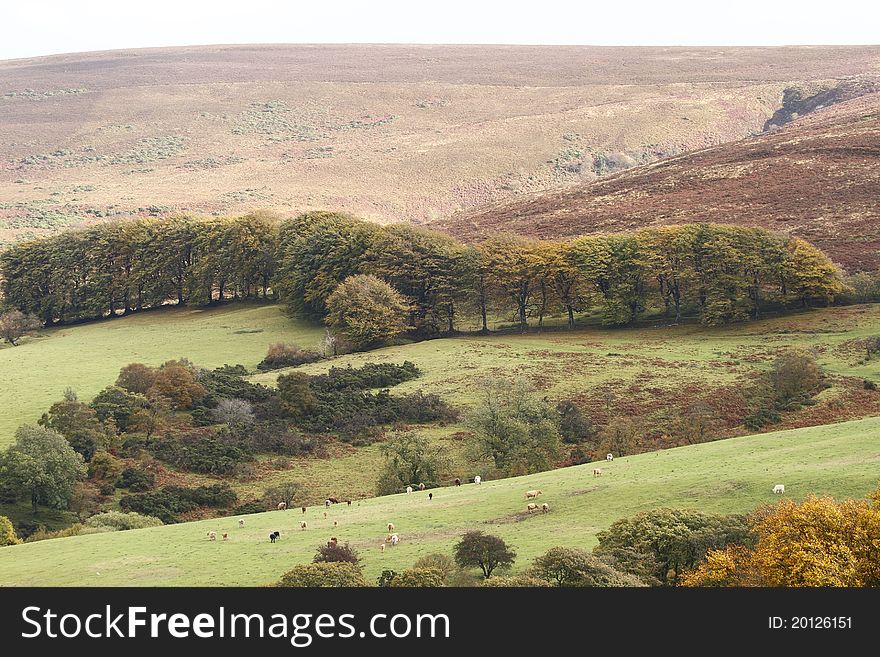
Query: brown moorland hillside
411 133
818 178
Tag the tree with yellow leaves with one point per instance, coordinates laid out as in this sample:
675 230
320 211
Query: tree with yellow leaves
819 542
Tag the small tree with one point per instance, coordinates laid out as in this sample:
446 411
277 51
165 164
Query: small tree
235 413
295 395
7 533
417 578
324 575
334 552
14 325
176 382
409 459
514 428
136 378
283 492
42 465
367 310
572 567
619 436
574 426
487 552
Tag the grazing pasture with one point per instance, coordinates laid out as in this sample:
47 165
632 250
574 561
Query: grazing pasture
88 357
727 476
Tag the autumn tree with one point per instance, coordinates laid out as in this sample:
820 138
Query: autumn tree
14 325
176 382
323 575
7 533
483 551
620 436
513 267
819 542
137 378
367 310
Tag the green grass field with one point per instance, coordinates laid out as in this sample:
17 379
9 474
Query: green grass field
732 475
88 357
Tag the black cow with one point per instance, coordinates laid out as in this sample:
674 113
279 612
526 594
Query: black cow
274 536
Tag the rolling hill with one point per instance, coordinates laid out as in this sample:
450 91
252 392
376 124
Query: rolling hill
411 133
726 477
816 177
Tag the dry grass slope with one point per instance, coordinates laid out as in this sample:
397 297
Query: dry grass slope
412 133
816 178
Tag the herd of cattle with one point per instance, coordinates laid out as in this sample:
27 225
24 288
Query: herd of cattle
392 538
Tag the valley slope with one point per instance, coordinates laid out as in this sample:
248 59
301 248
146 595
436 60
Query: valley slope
405 133
816 178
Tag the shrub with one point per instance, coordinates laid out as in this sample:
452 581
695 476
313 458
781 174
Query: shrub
418 578
384 579
7 533
334 552
523 581
135 480
572 567
105 466
200 451
248 508
118 521
371 375
334 574
287 355
167 502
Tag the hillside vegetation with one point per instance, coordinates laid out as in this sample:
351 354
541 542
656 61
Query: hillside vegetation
411 133
815 178
728 476
88 357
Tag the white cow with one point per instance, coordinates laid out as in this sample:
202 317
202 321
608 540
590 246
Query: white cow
478 479
779 488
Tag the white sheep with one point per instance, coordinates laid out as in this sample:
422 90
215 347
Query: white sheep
779 488
531 494
212 536
597 472
408 490
303 525
241 523
282 506
545 508
532 507
390 526
478 479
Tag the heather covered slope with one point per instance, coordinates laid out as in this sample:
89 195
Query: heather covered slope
410 133
817 177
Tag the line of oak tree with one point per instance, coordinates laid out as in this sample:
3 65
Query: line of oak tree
722 273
